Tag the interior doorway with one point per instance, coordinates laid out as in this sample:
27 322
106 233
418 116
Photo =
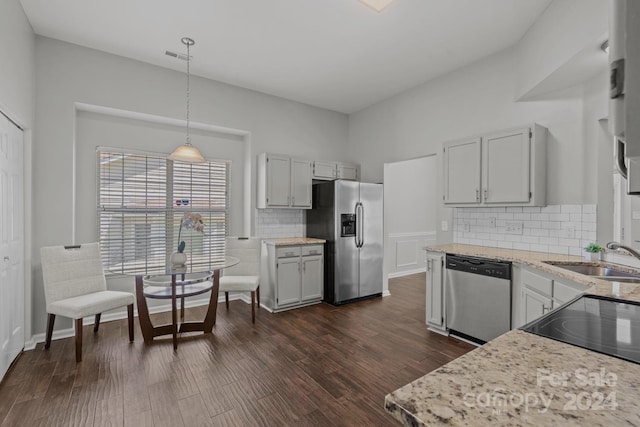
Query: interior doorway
410 214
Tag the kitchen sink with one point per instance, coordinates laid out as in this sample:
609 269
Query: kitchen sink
601 271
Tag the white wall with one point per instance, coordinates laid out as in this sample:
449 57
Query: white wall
17 50
410 214
558 35
67 74
17 100
476 99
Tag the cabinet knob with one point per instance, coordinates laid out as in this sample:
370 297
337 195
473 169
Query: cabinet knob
477 194
486 194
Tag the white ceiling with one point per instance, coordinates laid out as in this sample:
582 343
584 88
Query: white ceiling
335 54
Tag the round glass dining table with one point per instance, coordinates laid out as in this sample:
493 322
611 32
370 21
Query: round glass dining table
178 284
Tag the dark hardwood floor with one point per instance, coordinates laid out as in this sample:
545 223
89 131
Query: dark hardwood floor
319 365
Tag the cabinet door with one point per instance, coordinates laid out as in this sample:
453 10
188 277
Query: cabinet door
565 292
312 275
288 281
278 181
434 290
534 305
11 244
324 170
347 171
461 164
300 183
506 161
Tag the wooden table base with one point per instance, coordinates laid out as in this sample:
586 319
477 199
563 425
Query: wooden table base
149 332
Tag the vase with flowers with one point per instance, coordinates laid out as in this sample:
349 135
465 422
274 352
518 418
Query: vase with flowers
190 221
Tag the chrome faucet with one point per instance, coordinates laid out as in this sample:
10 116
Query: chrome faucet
616 246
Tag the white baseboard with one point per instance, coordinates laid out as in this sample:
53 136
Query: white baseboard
108 317
386 293
406 273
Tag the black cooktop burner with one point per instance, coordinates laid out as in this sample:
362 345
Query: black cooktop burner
606 325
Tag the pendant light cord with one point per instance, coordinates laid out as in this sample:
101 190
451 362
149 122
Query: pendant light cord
188 92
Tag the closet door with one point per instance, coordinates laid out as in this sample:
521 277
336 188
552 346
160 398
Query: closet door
11 243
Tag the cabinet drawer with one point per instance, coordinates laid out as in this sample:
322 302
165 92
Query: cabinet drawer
311 250
288 252
564 293
537 283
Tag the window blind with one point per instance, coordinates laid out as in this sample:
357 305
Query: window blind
141 201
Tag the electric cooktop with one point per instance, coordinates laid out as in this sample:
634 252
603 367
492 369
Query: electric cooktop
606 325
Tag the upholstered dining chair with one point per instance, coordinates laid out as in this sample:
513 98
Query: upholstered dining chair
244 276
75 287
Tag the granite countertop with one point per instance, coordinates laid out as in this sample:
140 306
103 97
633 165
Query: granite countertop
629 291
294 241
524 379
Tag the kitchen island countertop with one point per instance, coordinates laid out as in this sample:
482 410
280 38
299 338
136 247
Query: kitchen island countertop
524 379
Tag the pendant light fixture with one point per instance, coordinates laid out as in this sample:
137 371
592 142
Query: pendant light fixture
187 152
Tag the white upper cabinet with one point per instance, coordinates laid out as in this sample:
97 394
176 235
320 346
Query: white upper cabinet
278 181
328 171
505 168
462 171
283 182
300 183
347 171
325 170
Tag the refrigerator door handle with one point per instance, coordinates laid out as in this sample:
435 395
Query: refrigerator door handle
359 224
356 236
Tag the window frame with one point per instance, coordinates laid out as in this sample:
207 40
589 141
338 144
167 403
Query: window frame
172 213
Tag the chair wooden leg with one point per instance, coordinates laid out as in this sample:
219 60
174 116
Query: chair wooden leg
258 297
96 323
253 307
226 299
50 321
130 317
78 340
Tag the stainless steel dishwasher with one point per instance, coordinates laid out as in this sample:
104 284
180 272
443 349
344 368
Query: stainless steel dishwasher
478 297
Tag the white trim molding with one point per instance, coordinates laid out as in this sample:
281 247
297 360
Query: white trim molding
405 253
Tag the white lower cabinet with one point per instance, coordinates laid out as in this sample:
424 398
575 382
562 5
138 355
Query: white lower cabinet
312 275
288 284
542 292
534 305
435 292
294 276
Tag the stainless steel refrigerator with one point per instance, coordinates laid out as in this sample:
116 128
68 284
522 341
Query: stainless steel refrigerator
348 215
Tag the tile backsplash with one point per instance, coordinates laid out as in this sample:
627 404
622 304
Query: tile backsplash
560 229
280 223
